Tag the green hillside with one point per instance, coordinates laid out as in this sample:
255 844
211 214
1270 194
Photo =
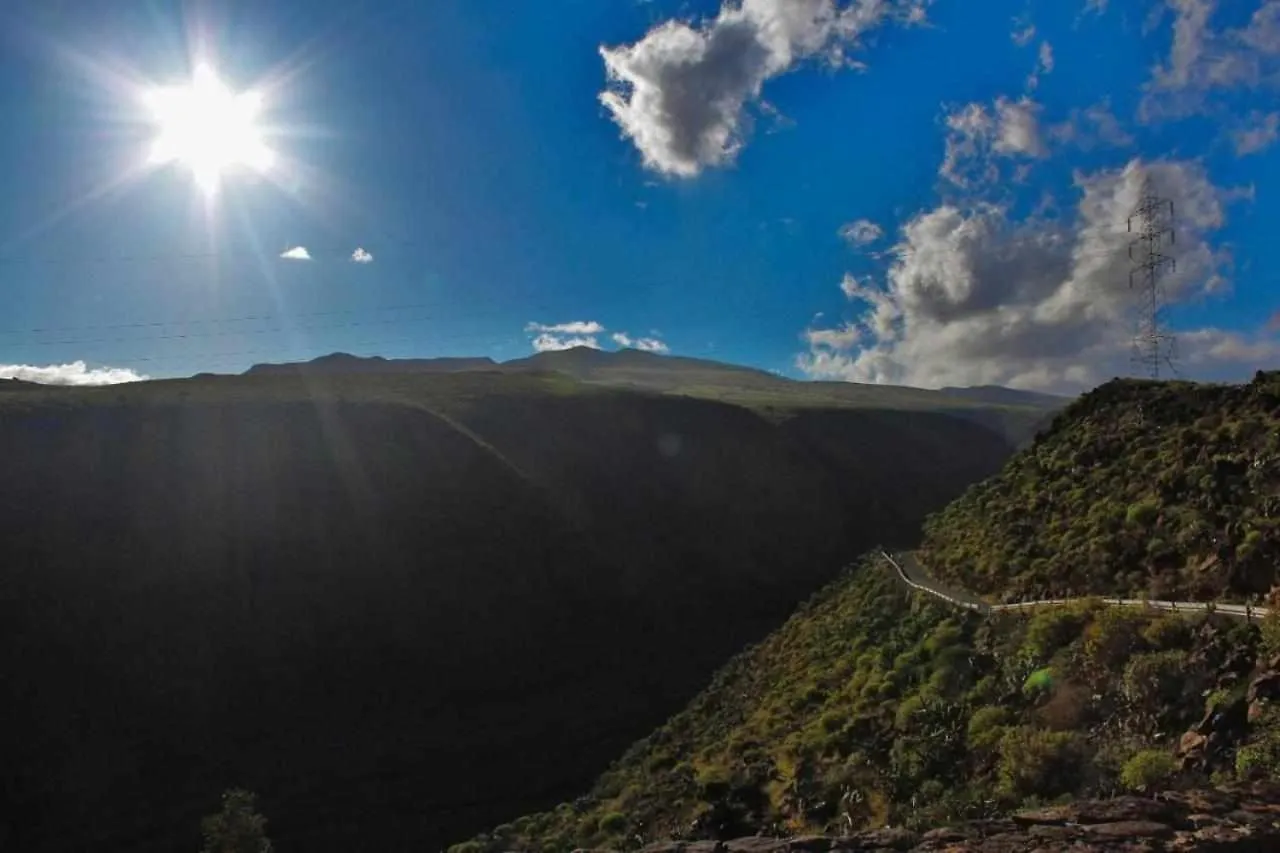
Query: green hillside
400 607
875 706
1164 489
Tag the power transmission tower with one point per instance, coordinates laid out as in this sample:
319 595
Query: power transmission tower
1151 222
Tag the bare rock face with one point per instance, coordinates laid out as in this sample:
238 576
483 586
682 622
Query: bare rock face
1243 818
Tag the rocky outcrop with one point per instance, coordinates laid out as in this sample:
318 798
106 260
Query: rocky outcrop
1205 745
1244 819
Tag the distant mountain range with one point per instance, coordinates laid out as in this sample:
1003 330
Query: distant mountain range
693 377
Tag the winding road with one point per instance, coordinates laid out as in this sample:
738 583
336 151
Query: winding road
911 573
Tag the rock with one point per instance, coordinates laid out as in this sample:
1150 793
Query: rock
758 845
1191 743
1243 818
1131 829
944 835
1117 810
889 838
1265 686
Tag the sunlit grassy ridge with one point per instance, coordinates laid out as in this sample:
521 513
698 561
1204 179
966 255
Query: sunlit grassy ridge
1166 489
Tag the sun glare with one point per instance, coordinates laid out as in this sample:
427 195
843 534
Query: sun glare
208 128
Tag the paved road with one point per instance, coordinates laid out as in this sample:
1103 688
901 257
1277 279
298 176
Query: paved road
911 573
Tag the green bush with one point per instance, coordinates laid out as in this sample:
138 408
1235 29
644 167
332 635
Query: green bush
613 823
238 828
1148 770
1039 763
1142 513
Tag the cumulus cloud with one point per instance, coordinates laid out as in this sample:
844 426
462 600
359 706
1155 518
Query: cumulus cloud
360 256
1093 127
575 327
860 232
551 337
681 93
1215 346
297 253
547 342
975 296
976 136
622 339
840 339
1202 59
1022 36
1257 133
72 373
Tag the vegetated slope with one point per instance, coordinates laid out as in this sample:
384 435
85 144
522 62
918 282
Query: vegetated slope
1168 489
873 705
399 607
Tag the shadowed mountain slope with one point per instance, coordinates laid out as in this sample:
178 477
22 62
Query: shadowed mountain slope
401 606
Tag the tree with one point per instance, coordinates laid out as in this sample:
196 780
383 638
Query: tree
238 828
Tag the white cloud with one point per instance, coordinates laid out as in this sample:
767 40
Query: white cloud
840 339
1258 133
546 342
360 256
1202 59
1044 65
1019 128
1092 127
1216 346
622 339
561 336
1023 36
976 135
975 297
575 327
860 232
681 93
1046 57
297 253
72 373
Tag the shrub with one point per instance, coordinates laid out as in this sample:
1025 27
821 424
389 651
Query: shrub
1052 629
1148 769
238 828
1142 513
1039 763
1155 680
613 823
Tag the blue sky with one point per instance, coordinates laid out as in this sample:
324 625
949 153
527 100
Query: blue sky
900 191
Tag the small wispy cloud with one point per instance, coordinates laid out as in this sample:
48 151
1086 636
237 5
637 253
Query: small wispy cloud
297 253
1258 133
860 232
73 373
360 256
622 339
1023 35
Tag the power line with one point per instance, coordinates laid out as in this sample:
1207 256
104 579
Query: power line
209 320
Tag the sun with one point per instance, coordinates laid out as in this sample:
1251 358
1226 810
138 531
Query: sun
207 128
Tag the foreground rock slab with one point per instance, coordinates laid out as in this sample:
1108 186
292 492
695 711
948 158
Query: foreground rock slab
1241 819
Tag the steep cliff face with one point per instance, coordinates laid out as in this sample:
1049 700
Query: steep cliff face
399 607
